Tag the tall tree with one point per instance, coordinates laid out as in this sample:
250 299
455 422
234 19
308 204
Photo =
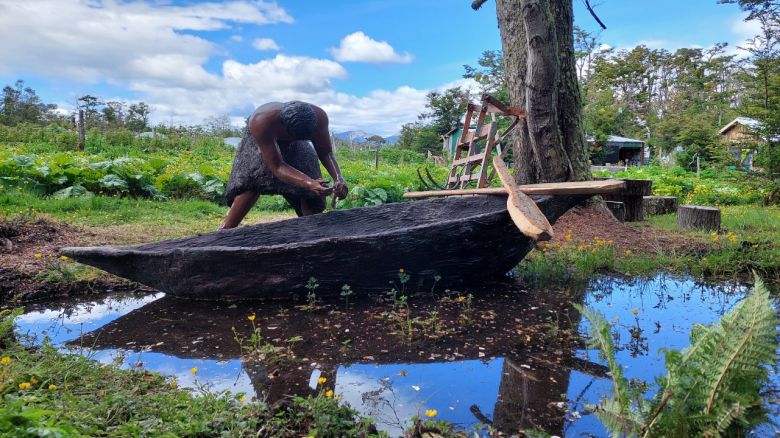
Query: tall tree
20 104
538 47
445 109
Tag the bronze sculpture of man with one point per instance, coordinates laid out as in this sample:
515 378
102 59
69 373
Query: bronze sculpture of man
280 154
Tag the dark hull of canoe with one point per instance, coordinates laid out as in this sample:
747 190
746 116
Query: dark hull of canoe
459 239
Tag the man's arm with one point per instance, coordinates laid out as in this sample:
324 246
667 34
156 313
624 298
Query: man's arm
273 157
324 148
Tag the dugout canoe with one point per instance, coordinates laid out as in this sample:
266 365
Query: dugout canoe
457 239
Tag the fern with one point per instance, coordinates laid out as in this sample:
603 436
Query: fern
712 388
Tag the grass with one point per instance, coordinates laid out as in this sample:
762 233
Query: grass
46 393
747 242
127 220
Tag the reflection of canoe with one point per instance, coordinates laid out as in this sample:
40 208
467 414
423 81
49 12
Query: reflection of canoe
460 239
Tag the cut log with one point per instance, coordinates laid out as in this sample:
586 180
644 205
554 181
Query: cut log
655 205
564 188
618 209
522 209
698 217
632 197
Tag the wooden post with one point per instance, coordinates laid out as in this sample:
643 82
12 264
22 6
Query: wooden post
618 209
82 130
376 159
632 197
654 205
698 167
698 217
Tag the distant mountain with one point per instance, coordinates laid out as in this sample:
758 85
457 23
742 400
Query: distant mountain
353 136
363 136
392 140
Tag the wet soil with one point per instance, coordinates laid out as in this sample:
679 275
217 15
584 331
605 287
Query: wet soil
29 249
588 223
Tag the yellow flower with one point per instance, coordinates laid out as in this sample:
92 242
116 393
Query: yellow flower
33 381
52 387
568 235
24 385
64 258
242 399
6 360
430 413
714 236
635 312
329 393
322 380
102 393
460 299
401 270
38 256
251 317
194 370
628 252
174 384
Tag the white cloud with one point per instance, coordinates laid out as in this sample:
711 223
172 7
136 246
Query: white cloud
265 44
120 41
359 47
145 47
744 32
237 38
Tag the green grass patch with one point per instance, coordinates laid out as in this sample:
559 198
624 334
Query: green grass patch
746 243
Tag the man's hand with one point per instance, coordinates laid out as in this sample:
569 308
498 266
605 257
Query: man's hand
319 186
340 189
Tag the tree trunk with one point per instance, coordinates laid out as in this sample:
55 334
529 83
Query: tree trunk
538 46
633 198
655 205
82 130
697 217
618 209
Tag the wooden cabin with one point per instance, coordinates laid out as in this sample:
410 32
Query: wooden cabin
620 151
740 137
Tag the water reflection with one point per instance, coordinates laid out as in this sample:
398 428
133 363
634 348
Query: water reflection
516 364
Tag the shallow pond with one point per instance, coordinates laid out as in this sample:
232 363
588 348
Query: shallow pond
512 358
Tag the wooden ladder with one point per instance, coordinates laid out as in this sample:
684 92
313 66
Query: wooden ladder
471 162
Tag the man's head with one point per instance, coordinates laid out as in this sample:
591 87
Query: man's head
299 119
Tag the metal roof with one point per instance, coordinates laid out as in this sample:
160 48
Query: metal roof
746 121
618 139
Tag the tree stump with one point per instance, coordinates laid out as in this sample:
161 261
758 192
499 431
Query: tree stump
654 205
632 198
698 217
618 209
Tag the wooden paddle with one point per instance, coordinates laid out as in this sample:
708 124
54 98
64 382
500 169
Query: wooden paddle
523 210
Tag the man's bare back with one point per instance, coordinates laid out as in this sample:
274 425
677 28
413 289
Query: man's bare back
276 130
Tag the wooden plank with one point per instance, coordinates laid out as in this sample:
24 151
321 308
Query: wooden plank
473 158
483 179
522 209
565 188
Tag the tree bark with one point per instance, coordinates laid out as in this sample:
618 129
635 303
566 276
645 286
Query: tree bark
697 217
655 205
538 45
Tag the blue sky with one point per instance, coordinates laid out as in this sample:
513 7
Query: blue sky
368 63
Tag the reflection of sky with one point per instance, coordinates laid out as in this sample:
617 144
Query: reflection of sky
449 387
226 375
675 304
667 309
62 325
